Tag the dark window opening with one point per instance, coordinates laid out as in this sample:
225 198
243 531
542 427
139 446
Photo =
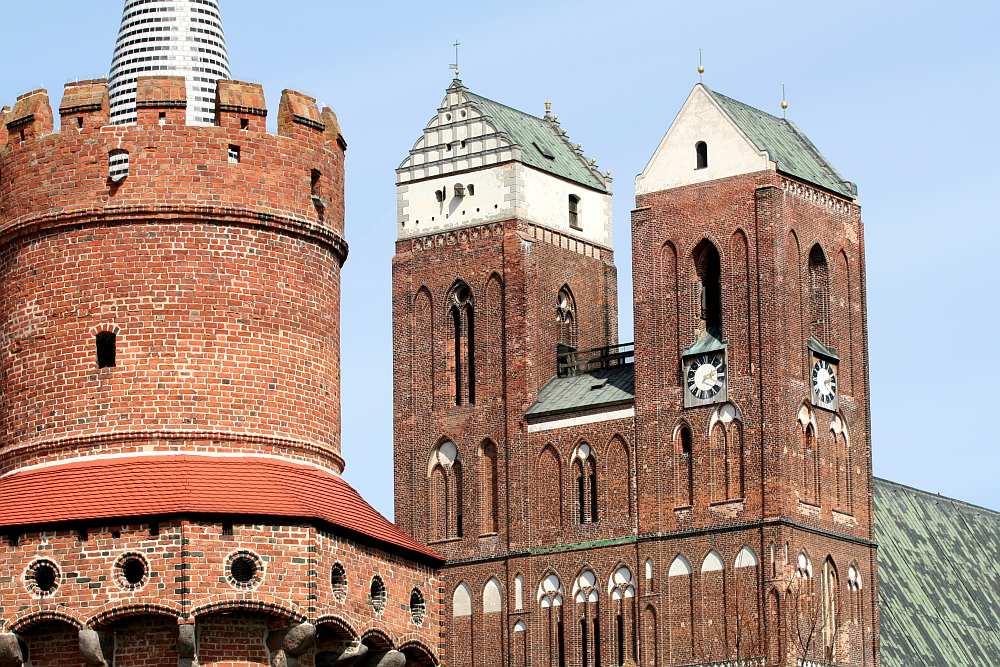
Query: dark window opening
227 530
314 179
377 594
106 349
79 122
819 294
471 189
593 492
574 212
464 342
244 123
561 639
581 495
685 481
45 577
83 534
338 580
701 155
585 636
163 118
116 534
418 608
154 529
234 154
709 270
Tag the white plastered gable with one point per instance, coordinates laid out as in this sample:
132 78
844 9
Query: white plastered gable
730 151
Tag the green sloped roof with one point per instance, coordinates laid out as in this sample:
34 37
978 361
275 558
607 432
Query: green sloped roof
535 135
939 579
598 388
786 145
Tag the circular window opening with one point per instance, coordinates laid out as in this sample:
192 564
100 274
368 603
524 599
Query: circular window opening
378 595
132 571
42 578
245 570
338 579
418 609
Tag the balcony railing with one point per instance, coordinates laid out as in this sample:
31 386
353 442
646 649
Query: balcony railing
573 362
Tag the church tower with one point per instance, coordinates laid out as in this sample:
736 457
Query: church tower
503 277
752 390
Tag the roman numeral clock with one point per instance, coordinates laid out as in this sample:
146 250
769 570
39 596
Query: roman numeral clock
705 373
823 379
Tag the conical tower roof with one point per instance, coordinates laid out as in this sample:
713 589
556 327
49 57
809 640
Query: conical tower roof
169 38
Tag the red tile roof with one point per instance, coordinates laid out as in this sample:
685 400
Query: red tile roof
143 486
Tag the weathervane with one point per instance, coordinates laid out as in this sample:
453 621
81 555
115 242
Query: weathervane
454 65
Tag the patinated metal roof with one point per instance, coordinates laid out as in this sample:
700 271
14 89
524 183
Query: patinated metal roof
787 146
541 142
939 572
599 388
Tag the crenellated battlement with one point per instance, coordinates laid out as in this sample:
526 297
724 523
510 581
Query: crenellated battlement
160 163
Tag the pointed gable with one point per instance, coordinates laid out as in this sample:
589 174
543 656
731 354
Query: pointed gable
471 131
740 139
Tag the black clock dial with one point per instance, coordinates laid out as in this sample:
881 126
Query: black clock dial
706 375
824 381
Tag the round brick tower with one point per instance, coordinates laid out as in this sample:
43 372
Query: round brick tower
170 489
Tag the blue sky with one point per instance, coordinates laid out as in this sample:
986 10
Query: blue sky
902 97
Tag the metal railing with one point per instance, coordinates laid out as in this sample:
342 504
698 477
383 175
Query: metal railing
574 362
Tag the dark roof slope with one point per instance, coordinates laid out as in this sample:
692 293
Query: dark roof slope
939 579
599 388
542 145
786 145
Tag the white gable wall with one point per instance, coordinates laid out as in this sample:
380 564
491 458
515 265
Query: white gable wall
730 153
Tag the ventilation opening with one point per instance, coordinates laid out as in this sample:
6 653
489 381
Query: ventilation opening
118 166
243 570
317 200
163 118
574 212
701 155
79 122
338 580
234 154
418 609
132 570
43 577
227 530
107 343
471 190
377 595
244 123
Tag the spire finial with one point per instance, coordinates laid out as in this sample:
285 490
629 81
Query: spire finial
784 102
454 65
548 108
701 68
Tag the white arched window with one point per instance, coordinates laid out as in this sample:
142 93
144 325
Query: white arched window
492 598
461 601
444 472
621 590
550 600
586 596
519 592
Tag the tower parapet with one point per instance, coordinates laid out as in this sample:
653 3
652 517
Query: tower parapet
213 255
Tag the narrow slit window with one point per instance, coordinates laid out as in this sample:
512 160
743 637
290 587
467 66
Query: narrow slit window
234 154
574 212
106 349
701 155
118 166
244 123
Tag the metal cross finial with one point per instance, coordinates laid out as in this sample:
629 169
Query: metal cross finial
454 65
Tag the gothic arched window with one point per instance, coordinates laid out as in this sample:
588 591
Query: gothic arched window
621 590
444 471
463 342
819 294
707 264
684 478
566 318
830 595
586 596
585 472
488 487
550 600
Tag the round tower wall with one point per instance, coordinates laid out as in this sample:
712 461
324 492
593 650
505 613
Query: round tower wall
215 264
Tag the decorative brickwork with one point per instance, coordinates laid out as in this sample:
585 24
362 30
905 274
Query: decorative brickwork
169 311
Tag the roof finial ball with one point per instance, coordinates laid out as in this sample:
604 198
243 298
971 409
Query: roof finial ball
701 67
784 101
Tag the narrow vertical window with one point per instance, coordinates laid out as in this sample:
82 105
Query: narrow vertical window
709 271
463 320
118 166
819 294
620 630
592 469
701 155
574 212
685 475
107 343
234 154
315 177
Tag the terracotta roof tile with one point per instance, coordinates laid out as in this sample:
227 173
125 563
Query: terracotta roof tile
184 484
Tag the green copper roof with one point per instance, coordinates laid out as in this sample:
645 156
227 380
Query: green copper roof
939 579
785 144
541 143
599 388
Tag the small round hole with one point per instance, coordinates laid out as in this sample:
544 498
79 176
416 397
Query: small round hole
245 570
131 571
42 578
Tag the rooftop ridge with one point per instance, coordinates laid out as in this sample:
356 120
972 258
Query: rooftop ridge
936 496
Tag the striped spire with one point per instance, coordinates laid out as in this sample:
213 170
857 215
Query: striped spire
169 38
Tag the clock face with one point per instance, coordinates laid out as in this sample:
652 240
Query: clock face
706 376
824 381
